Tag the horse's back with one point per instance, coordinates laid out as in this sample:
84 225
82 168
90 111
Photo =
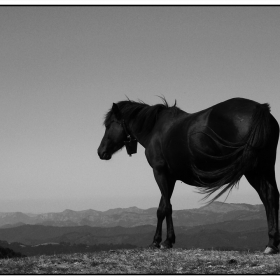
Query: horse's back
229 120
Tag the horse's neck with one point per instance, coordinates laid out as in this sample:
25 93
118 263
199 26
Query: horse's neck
165 121
143 139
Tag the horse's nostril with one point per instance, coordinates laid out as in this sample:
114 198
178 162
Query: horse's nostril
104 155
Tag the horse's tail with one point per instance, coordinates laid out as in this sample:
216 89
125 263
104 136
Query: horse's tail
243 157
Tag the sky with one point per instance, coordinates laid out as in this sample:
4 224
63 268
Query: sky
63 67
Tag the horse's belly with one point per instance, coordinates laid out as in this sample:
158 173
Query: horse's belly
179 160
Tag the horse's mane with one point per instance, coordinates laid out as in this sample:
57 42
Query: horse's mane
143 115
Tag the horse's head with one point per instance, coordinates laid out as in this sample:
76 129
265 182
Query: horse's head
115 135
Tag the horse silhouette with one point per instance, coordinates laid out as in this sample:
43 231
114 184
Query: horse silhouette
210 149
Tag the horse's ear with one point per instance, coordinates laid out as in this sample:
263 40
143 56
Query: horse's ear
116 111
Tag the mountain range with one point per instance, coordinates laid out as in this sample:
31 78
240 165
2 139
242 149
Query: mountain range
218 225
133 216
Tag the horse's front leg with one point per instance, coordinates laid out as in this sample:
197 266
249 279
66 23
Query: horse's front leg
160 218
166 184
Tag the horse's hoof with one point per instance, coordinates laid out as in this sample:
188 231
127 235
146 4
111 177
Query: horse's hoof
270 251
165 246
154 246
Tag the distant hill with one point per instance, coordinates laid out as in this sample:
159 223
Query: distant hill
237 235
133 216
14 218
8 253
16 249
218 225
38 234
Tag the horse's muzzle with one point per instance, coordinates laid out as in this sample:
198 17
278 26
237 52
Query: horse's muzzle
104 155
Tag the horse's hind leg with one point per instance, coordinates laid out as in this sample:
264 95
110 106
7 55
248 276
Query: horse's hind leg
264 183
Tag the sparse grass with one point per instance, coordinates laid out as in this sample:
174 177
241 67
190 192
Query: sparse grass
146 261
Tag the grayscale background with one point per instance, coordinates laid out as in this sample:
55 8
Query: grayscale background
63 67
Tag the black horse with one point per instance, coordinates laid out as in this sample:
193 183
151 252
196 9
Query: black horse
211 149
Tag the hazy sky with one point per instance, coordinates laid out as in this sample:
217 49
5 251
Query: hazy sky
63 67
